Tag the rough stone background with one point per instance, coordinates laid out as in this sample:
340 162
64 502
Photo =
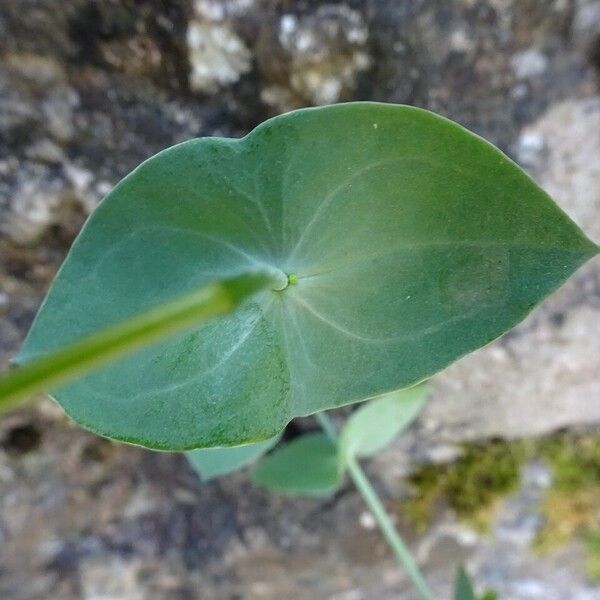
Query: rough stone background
88 89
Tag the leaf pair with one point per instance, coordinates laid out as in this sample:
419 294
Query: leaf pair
314 464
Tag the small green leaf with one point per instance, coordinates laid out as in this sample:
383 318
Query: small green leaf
306 466
464 587
212 462
374 425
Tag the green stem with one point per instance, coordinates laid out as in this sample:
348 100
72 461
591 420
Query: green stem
127 336
387 528
327 426
376 507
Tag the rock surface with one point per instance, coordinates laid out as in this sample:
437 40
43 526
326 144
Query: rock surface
89 90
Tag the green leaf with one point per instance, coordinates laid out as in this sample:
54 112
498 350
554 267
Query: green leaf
306 466
373 426
212 462
464 587
407 240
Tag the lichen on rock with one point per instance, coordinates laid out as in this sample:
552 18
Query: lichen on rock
217 55
326 50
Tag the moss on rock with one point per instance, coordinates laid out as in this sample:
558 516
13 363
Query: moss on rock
471 486
571 509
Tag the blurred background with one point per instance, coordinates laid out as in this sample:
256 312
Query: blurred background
502 471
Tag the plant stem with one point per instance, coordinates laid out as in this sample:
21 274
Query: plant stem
376 507
387 528
327 426
99 348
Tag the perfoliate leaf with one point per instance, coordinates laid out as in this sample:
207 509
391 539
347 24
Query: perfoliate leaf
212 462
373 426
306 466
464 588
408 242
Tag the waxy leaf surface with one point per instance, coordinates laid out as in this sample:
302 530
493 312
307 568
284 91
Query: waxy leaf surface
409 240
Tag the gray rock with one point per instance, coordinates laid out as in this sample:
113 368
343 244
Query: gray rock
57 111
45 151
92 89
529 63
38 197
586 28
